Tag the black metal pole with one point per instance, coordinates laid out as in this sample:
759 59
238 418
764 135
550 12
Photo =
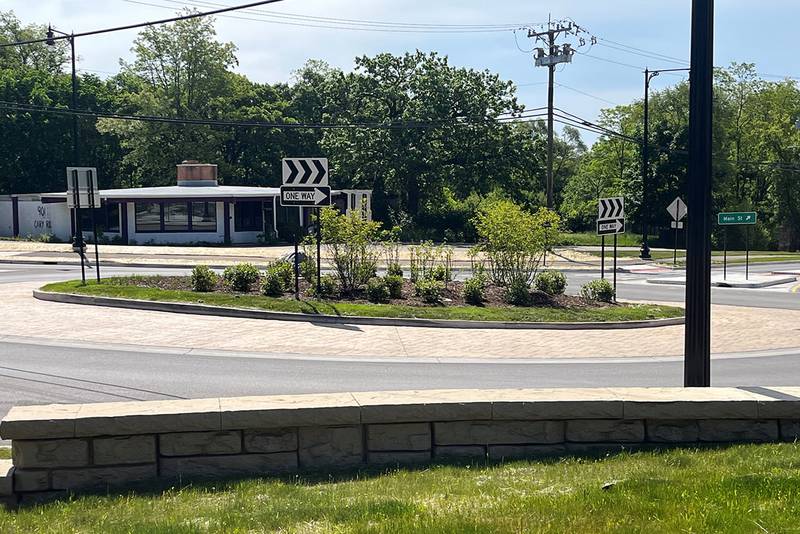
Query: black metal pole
77 242
747 254
296 268
319 252
602 257
697 350
675 250
645 252
91 182
615 267
725 254
550 97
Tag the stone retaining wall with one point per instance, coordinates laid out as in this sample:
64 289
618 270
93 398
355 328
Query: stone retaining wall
59 449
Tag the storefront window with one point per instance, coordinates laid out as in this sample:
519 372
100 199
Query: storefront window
176 216
204 217
106 217
148 217
248 217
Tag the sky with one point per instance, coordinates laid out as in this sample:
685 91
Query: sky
610 73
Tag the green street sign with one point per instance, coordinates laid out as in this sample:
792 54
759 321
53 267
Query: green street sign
737 218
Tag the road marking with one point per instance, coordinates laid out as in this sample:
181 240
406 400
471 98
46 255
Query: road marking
796 289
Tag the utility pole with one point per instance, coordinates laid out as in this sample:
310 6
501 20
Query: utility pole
697 350
645 209
554 55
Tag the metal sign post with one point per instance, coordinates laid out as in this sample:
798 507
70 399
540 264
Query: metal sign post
615 267
610 221
305 185
81 193
739 218
603 257
94 224
677 211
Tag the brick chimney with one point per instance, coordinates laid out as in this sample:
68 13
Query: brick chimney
192 173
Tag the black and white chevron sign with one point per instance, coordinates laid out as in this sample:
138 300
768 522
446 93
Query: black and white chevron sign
305 171
611 208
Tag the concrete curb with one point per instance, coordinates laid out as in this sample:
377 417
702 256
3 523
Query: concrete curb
241 313
735 284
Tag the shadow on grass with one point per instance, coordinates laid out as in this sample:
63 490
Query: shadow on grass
311 478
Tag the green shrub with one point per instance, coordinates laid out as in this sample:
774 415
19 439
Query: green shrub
351 243
203 279
328 287
600 290
377 290
284 270
440 273
475 289
395 284
241 277
551 282
308 270
394 270
272 284
518 293
429 290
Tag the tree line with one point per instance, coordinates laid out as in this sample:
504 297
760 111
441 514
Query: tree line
441 139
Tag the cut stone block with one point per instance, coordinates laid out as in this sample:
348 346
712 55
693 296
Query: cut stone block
31 480
199 443
423 406
731 430
289 411
399 457
553 404
672 431
399 437
147 417
41 497
790 429
240 465
124 450
273 440
605 431
50 453
517 452
477 452
498 432
101 477
40 422
331 447
6 478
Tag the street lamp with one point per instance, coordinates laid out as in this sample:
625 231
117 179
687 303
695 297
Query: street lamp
648 77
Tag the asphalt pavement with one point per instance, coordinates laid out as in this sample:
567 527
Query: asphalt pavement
45 371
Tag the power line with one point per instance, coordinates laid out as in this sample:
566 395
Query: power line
341 24
140 25
588 94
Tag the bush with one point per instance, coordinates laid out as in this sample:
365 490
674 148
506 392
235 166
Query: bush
518 293
395 285
203 279
351 244
328 285
600 290
440 273
551 282
377 290
284 270
429 290
241 277
475 289
272 284
394 270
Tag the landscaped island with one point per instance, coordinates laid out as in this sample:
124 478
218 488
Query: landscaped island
546 308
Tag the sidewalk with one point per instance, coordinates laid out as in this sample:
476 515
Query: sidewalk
735 329
176 256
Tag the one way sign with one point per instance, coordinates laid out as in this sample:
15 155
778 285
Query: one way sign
309 197
611 227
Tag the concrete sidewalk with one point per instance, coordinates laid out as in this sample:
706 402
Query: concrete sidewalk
736 329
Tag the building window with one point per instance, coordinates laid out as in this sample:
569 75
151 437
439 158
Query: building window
204 216
106 217
248 217
176 216
148 217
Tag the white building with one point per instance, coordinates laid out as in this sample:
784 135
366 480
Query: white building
196 210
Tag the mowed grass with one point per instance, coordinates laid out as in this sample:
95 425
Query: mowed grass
5 453
622 312
589 239
745 489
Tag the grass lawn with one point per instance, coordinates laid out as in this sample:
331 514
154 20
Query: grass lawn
754 488
5 453
627 312
589 239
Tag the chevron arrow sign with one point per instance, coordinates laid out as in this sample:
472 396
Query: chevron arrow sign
611 208
305 171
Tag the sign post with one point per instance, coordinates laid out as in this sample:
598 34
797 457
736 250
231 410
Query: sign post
740 218
305 185
81 193
610 221
678 211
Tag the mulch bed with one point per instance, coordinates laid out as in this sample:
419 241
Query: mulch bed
453 294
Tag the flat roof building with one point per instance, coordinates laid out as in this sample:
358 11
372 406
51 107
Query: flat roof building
196 210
